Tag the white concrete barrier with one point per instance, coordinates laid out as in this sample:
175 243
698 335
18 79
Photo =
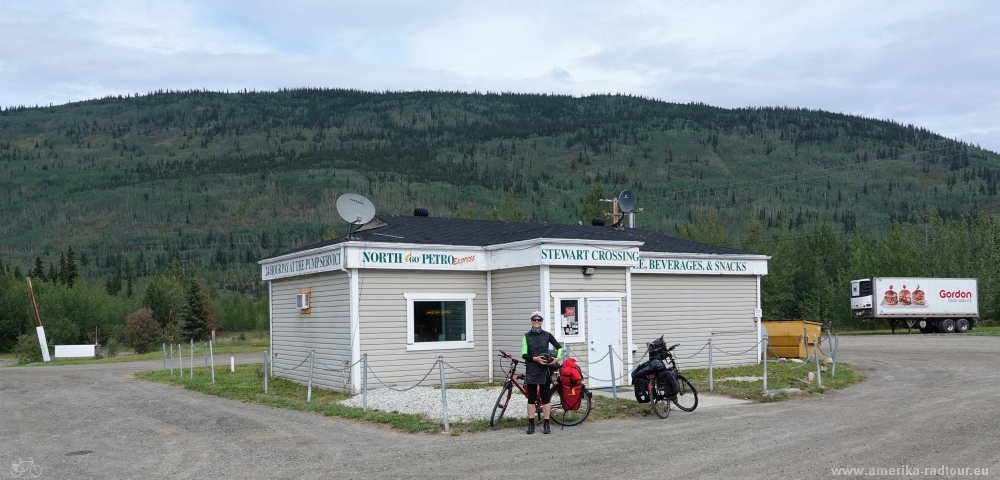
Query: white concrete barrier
75 351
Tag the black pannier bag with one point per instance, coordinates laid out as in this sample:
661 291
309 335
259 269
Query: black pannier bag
648 368
641 389
666 384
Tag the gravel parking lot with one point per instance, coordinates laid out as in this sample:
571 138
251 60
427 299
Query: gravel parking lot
930 401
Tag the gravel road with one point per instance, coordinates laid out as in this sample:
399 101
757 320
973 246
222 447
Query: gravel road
931 401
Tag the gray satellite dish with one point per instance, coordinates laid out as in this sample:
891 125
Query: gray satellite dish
355 209
626 201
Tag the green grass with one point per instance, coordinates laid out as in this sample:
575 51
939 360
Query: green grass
223 347
246 385
779 375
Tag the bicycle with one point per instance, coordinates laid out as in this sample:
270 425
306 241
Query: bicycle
687 396
566 418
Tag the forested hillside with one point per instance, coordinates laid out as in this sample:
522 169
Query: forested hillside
216 181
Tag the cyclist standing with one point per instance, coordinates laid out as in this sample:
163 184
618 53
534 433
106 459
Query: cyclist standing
537 374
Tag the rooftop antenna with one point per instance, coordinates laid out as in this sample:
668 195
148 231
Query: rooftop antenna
624 203
356 210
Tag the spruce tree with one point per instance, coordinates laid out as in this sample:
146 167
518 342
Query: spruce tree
53 274
199 312
38 272
70 272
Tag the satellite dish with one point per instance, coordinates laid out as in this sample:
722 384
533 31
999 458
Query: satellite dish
626 201
355 209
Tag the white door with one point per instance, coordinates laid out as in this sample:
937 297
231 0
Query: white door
604 329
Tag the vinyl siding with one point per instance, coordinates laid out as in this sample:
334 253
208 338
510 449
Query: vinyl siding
327 329
516 293
606 279
382 328
689 309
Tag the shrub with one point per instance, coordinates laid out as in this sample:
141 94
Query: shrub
111 348
142 331
27 349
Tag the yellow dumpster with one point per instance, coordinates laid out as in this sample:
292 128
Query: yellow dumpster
791 338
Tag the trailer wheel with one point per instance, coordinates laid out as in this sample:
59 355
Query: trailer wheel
946 326
961 326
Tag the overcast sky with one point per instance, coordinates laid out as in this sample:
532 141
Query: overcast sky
933 64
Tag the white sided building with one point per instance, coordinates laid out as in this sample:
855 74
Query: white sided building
406 290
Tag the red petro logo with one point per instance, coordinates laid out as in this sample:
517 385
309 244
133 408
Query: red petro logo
955 294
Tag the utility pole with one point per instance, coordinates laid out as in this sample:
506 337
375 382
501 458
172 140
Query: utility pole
39 329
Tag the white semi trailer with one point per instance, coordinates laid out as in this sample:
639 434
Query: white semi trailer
943 305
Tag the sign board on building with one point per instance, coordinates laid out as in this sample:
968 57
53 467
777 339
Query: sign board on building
303 265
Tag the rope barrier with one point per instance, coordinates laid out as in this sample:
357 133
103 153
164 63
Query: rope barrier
735 354
463 371
693 355
293 368
407 388
334 369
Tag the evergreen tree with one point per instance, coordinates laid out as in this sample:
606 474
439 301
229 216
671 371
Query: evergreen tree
61 275
53 275
70 272
199 312
39 271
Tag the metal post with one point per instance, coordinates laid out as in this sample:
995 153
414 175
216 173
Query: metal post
444 393
211 356
309 391
805 338
164 356
836 343
819 378
180 358
614 384
364 384
265 371
711 367
764 340
171 359
191 365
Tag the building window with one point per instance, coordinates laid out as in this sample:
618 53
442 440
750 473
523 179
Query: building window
569 319
438 321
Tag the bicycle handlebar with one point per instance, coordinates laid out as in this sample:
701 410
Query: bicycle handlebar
508 356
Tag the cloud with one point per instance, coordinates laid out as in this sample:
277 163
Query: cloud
928 63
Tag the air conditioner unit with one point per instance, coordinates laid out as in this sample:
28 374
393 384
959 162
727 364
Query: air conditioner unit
302 301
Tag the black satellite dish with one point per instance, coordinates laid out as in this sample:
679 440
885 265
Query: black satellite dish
626 201
355 209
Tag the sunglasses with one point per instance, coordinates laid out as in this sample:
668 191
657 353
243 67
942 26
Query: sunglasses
534 320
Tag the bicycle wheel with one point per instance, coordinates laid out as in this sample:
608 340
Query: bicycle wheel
569 418
501 406
687 398
661 406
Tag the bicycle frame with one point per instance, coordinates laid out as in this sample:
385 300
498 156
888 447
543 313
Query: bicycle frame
512 379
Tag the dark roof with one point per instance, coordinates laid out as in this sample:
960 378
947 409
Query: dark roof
481 233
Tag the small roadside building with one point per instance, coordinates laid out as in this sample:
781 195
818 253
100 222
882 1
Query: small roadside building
406 290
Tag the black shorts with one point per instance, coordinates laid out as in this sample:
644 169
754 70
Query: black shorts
546 393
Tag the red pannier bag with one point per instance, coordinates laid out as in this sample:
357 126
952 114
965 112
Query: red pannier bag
570 384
